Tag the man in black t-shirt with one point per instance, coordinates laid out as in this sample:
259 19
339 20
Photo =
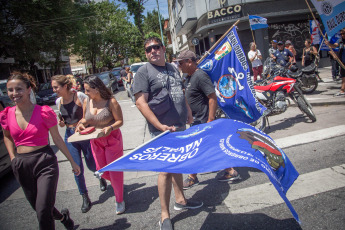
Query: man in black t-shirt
202 100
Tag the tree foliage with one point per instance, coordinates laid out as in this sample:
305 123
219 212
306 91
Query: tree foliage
36 30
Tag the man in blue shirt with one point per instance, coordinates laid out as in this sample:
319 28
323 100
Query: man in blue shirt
282 56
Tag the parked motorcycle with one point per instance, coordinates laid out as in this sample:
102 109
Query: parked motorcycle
274 92
307 76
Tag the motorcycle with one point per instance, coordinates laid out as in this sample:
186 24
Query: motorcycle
274 92
307 76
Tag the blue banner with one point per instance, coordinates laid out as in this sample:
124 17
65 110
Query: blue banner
228 69
257 22
213 146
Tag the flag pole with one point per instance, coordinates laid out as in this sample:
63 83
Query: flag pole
251 30
330 49
215 44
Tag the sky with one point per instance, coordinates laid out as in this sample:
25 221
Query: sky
150 5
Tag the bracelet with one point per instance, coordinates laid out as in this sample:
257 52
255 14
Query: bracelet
111 127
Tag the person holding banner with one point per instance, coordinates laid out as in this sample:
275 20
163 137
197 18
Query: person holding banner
255 57
158 90
101 110
202 99
341 55
70 105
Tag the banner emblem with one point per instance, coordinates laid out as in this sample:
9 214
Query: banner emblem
224 50
227 86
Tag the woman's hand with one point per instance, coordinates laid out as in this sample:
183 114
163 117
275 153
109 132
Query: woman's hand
61 123
75 168
80 127
107 130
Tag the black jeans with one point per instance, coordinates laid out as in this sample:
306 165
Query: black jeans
38 173
335 68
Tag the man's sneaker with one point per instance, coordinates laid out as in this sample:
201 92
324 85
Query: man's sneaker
190 182
120 207
339 94
166 225
67 221
188 205
229 177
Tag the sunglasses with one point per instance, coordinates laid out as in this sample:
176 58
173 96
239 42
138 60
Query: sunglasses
149 48
342 33
180 63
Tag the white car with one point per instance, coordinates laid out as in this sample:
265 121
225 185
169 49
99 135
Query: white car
135 66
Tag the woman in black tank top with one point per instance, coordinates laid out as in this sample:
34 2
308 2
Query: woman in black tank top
70 113
309 53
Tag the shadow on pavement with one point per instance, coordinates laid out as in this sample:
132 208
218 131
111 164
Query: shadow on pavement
118 224
8 186
247 221
137 200
287 123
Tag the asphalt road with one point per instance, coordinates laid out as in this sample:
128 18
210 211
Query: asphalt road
317 195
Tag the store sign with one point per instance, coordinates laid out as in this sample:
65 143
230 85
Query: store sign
224 14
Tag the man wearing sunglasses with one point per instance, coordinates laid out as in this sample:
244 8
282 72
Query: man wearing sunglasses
150 81
202 99
341 56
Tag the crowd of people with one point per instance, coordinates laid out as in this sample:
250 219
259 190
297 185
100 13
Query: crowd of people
284 54
26 126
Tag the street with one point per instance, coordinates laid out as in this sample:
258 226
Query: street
317 150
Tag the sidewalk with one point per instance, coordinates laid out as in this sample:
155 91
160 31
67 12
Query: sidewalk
324 94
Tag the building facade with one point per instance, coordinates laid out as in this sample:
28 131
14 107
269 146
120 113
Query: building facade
198 24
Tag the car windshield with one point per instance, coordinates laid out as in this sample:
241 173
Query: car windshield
104 77
3 88
116 72
44 86
134 68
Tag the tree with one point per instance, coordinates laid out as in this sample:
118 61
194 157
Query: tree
136 8
36 31
107 37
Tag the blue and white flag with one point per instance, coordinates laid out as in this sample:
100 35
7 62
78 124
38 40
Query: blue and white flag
228 69
257 22
332 13
213 146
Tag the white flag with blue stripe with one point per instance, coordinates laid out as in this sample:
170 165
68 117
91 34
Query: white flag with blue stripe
257 22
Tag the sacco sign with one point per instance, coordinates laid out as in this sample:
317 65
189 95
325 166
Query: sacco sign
225 13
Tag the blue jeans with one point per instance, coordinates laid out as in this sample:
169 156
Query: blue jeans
75 149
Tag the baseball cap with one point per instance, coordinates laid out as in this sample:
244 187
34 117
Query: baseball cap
186 54
280 43
287 42
274 41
